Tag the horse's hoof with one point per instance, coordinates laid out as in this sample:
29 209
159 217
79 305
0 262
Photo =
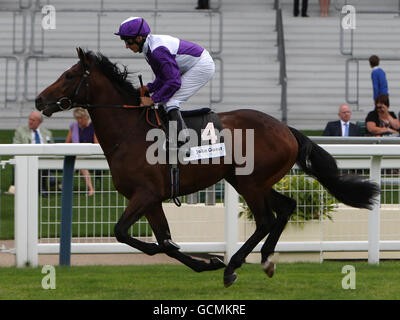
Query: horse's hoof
229 279
216 263
269 268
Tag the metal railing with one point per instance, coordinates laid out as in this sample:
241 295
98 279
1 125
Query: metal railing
349 52
350 49
357 60
338 6
33 59
154 13
30 46
214 4
282 60
6 73
355 140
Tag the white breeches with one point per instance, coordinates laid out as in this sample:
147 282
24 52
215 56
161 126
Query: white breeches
193 80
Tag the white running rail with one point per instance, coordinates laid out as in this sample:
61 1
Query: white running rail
27 164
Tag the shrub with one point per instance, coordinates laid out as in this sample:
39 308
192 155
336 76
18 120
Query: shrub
311 197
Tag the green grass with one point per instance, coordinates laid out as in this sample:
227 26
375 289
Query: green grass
312 132
291 281
6 136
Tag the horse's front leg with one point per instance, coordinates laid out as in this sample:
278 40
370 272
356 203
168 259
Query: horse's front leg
159 225
136 208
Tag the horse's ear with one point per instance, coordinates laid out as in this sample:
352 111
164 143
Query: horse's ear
80 53
82 57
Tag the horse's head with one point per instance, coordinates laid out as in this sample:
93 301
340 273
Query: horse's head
72 88
69 90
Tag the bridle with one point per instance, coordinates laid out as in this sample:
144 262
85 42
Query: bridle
67 103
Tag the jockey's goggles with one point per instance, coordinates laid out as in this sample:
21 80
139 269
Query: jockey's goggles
128 40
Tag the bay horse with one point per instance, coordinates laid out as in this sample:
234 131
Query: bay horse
101 86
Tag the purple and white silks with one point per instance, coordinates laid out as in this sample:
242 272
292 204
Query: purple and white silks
181 68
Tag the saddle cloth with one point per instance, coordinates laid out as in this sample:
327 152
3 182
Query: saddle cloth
196 120
207 126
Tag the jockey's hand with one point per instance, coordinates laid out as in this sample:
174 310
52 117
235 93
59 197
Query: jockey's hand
144 91
146 101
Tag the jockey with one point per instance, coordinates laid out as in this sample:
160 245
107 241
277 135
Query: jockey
181 67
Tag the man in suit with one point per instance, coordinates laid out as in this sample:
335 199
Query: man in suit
342 127
34 133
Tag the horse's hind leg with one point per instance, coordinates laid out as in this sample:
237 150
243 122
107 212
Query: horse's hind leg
159 225
284 207
264 222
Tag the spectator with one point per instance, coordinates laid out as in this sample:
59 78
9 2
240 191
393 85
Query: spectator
35 133
381 121
304 5
82 131
342 127
324 5
378 77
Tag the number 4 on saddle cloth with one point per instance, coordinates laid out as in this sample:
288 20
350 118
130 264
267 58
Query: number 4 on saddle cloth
204 127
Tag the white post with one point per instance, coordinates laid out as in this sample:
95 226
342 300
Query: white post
33 194
21 212
231 221
374 214
26 210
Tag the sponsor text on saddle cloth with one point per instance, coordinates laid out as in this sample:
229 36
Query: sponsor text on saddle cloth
207 126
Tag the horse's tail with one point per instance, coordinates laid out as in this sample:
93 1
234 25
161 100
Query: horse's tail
354 191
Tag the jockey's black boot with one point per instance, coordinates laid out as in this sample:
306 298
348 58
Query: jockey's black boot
175 115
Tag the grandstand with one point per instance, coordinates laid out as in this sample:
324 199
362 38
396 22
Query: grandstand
316 67
241 36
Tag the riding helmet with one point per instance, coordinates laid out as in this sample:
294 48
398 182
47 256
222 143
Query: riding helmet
133 27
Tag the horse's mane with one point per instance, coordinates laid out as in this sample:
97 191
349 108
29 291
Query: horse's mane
117 76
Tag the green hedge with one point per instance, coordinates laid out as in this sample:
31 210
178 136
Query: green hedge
312 199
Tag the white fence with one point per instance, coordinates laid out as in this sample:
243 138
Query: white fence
29 159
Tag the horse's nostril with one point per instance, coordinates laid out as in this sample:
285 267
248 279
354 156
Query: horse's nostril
38 102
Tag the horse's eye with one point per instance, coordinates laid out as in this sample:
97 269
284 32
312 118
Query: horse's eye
69 76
